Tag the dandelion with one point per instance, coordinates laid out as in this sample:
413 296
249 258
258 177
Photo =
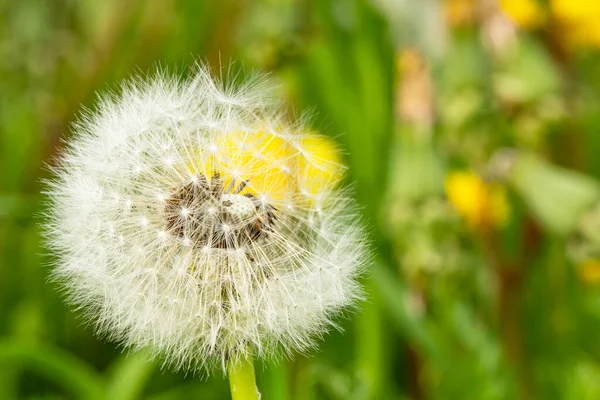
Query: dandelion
578 20
527 14
192 219
589 271
483 205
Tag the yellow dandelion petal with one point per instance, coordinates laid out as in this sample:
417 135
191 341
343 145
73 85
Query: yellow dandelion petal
525 13
578 20
482 205
575 10
319 165
261 160
589 271
268 164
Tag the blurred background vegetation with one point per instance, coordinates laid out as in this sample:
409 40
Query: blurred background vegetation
471 130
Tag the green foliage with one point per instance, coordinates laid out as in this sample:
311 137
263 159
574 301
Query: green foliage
452 310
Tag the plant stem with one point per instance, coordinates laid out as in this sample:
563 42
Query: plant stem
242 381
277 382
510 279
369 350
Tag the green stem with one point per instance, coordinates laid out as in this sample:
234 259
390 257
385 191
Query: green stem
242 381
369 351
277 382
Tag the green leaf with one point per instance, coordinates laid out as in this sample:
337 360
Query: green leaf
128 376
393 294
73 374
557 196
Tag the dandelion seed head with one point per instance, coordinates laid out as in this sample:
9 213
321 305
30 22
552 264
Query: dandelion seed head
191 219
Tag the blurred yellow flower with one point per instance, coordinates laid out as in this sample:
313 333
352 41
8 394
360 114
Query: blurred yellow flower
320 166
278 167
483 205
459 12
260 158
576 19
579 20
525 13
589 271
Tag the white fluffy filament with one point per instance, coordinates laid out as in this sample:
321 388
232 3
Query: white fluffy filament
191 219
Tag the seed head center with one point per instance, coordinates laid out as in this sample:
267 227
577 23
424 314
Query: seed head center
208 214
238 206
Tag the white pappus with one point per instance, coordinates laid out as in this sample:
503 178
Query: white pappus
192 219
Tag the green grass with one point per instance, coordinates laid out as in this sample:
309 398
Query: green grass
450 313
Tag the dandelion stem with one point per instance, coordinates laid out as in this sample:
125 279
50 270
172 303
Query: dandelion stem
510 280
242 381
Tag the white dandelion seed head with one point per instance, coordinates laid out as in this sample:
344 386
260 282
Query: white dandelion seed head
191 219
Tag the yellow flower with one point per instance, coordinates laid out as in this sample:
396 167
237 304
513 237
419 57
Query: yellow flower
459 12
575 10
578 20
483 205
525 13
319 167
277 167
589 271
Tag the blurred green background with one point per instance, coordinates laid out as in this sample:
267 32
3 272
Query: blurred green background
471 131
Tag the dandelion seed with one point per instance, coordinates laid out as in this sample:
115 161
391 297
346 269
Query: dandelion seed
216 250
